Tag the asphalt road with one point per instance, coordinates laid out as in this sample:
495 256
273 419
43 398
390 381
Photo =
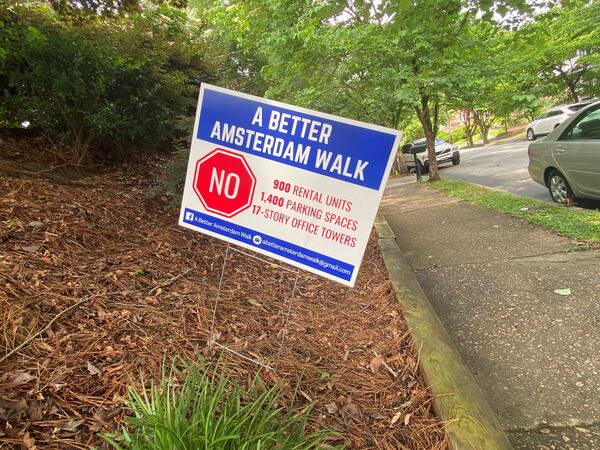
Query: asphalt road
502 166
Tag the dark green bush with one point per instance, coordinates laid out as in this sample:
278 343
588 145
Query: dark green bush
103 87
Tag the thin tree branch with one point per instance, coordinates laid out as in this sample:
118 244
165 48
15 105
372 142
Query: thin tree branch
58 316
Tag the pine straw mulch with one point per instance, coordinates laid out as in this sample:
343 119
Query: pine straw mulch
140 290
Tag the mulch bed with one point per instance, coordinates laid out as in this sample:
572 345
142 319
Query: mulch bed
124 289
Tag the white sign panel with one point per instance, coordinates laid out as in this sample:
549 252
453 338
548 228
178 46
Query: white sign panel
294 184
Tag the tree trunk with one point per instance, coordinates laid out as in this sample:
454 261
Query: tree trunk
402 167
430 130
484 121
434 174
467 118
469 134
485 131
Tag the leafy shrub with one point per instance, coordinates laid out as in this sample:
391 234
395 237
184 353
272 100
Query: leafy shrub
458 134
102 86
196 408
172 183
175 167
412 130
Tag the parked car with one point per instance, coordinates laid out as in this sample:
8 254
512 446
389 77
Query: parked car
567 161
444 153
549 120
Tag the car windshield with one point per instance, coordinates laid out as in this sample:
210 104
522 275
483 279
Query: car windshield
438 141
550 113
578 106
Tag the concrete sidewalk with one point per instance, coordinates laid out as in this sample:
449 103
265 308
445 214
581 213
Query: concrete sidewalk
491 280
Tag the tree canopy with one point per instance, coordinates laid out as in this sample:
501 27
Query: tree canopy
400 63
378 61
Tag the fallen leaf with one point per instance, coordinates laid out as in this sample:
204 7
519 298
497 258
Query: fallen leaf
563 292
72 425
331 408
29 442
95 427
324 375
9 408
407 418
35 412
376 363
396 417
30 248
349 412
22 377
105 415
93 370
36 224
254 302
582 430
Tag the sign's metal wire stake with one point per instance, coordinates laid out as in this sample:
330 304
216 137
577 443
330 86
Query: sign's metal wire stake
287 318
258 363
212 340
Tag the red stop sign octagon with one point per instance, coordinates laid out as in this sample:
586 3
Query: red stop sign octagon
224 182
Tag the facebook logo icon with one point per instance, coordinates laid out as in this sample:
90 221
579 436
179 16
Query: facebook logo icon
189 216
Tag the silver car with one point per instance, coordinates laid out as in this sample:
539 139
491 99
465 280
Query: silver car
567 161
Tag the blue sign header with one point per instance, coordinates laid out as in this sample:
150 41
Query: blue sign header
352 153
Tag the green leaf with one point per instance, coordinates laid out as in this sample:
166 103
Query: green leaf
565 292
404 5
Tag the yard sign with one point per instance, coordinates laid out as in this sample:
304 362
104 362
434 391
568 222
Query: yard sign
294 184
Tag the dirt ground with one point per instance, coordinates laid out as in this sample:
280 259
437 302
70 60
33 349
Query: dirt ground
99 285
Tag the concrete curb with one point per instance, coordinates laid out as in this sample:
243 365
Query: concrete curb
457 399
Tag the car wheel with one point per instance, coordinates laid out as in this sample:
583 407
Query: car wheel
530 135
559 188
456 159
